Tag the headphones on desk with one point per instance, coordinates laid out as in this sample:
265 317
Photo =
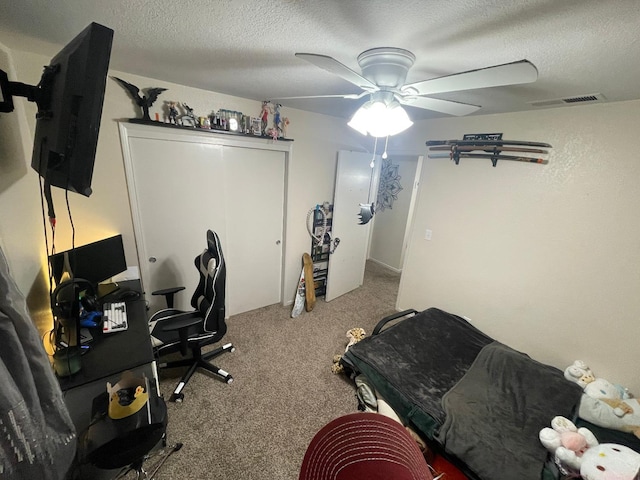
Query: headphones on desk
62 300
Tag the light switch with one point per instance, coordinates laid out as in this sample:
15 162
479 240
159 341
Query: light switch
427 234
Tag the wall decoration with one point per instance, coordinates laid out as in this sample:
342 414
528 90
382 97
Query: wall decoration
145 99
489 148
389 185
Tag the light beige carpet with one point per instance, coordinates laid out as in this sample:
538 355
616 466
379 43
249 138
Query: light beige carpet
283 390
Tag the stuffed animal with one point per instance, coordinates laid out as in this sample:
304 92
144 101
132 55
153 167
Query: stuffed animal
609 461
604 403
566 441
577 449
354 335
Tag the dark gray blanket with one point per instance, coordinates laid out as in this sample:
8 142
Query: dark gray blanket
415 362
495 412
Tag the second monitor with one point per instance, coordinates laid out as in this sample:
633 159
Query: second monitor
95 262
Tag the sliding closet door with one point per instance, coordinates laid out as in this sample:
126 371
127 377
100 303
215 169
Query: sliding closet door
180 195
183 183
254 194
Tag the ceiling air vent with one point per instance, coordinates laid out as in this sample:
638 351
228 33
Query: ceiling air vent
591 98
584 98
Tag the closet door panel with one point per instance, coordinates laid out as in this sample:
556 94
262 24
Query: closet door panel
179 194
254 193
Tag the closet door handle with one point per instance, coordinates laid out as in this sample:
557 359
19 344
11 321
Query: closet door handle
278 242
152 259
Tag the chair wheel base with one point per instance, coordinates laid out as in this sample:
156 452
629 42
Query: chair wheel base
176 397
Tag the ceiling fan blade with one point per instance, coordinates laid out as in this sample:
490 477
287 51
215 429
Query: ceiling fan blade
352 96
514 73
443 106
333 66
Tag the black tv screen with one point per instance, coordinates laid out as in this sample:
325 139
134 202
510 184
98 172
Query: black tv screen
71 94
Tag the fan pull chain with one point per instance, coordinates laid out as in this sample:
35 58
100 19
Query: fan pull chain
384 154
375 147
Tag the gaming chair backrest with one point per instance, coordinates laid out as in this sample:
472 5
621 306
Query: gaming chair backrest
209 297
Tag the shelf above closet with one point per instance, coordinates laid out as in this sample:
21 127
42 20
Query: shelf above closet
153 123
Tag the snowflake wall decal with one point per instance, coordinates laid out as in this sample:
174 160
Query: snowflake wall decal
389 186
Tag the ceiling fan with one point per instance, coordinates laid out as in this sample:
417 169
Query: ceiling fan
384 72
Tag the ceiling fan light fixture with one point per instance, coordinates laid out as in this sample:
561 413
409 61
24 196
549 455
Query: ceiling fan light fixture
360 120
397 119
378 119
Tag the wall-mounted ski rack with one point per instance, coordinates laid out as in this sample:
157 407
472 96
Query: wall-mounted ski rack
518 151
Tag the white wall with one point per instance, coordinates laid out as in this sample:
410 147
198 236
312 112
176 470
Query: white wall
545 258
387 238
317 138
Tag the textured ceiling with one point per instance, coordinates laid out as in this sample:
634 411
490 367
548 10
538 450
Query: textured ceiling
246 48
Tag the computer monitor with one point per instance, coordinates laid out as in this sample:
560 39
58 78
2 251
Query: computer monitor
95 262
69 98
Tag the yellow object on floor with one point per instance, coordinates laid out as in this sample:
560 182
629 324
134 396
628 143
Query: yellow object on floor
310 287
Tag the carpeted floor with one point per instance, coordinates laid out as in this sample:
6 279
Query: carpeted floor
283 390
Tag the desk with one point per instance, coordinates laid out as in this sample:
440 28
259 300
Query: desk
113 353
109 355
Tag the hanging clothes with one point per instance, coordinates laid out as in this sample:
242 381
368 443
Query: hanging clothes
37 436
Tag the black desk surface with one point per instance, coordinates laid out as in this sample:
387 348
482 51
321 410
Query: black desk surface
113 353
110 355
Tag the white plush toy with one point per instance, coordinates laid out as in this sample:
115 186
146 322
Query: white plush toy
604 403
609 461
567 442
578 449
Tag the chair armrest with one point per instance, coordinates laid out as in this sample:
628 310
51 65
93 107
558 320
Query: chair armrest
168 294
182 320
393 316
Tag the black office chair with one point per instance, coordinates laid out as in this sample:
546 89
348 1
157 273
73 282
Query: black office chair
174 330
124 443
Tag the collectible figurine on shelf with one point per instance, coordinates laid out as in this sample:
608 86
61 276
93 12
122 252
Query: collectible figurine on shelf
285 125
273 133
143 101
173 113
264 116
276 118
256 126
188 119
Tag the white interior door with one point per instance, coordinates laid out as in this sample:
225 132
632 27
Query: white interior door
355 184
254 181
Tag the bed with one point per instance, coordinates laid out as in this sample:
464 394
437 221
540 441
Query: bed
478 401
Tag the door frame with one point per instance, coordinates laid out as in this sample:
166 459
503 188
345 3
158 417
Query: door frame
415 183
412 206
151 132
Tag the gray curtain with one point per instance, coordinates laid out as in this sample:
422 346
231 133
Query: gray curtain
37 436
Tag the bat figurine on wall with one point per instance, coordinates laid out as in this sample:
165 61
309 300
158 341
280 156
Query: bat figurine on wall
143 101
